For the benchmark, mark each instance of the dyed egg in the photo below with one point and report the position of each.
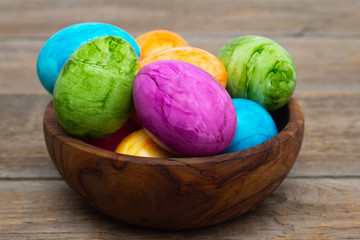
(93, 93)
(260, 70)
(110, 142)
(254, 125)
(62, 44)
(196, 56)
(158, 40)
(185, 110)
(140, 144)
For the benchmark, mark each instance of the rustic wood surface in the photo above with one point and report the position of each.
(320, 199)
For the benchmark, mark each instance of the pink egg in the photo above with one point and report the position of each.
(184, 108)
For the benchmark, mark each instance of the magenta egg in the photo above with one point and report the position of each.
(185, 109)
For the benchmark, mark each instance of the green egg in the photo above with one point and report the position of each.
(258, 69)
(93, 92)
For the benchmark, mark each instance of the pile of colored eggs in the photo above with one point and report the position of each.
(156, 96)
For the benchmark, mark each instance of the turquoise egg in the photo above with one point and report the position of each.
(62, 44)
(254, 125)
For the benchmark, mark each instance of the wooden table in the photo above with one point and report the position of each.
(320, 199)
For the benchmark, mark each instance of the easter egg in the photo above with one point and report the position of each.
(254, 125)
(93, 93)
(185, 110)
(196, 56)
(158, 40)
(110, 142)
(258, 69)
(62, 44)
(139, 143)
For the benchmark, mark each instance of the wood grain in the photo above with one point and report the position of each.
(20, 126)
(332, 138)
(298, 209)
(42, 18)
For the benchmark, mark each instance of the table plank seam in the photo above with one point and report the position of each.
(17, 179)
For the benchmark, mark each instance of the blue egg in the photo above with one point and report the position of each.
(62, 44)
(254, 125)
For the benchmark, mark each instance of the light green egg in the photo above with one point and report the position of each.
(258, 69)
(93, 92)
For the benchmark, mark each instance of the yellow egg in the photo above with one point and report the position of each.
(139, 143)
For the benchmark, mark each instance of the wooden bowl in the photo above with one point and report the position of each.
(176, 193)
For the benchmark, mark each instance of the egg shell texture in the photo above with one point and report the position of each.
(158, 40)
(93, 94)
(259, 69)
(62, 44)
(254, 125)
(196, 56)
(139, 143)
(184, 108)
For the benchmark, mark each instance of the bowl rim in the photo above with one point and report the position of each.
(295, 123)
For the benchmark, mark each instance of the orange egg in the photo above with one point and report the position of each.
(139, 143)
(158, 40)
(196, 56)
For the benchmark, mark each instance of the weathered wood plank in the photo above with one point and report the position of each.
(322, 65)
(27, 167)
(21, 126)
(332, 135)
(330, 147)
(21, 18)
(298, 209)
(18, 68)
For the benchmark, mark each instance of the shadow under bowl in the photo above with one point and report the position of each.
(176, 193)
